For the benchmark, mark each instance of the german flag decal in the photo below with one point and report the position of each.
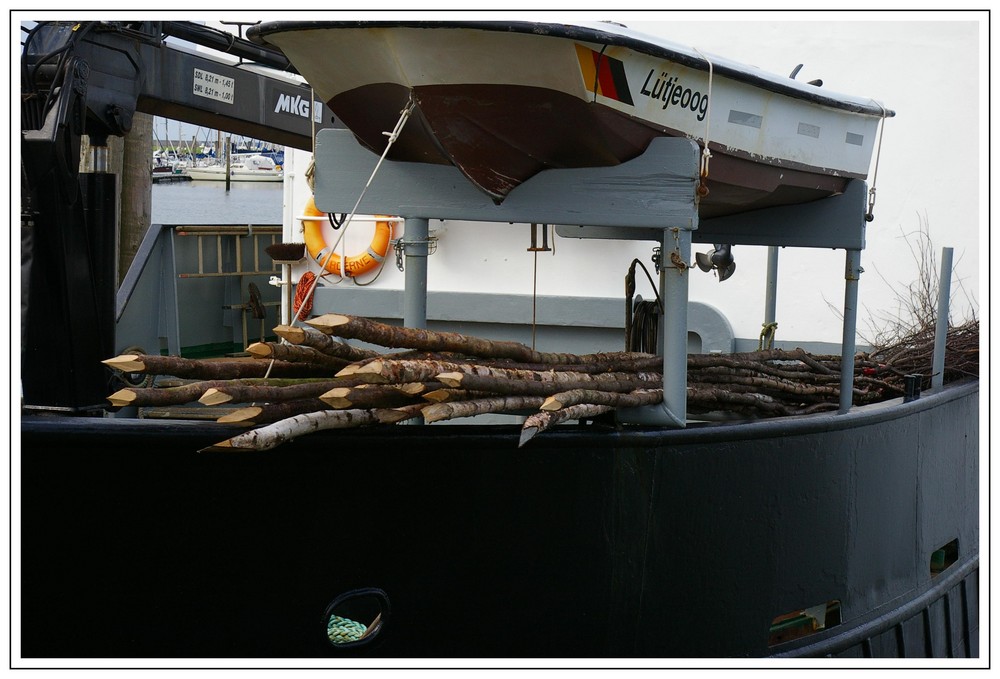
(604, 75)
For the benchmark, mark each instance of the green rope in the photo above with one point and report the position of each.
(344, 630)
(767, 334)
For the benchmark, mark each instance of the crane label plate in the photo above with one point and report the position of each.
(214, 86)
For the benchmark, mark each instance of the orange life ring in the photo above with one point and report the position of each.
(312, 227)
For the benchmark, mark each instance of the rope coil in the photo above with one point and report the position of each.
(344, 630)
(303, 304)
(767, 336)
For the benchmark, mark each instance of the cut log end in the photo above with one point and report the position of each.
(291, 333)
(348, 370)
(394, 415)
(412, 388)
(213, 397)
(438, 395)
(453, 379)
(222, 446)
(527, 434)
(126, 363)
(242, 415)
(551, 404)
(370, 372)
(337, 397)
(259, 350)
(122, 397)
(435, 412)
(370, 368)
(328, 322)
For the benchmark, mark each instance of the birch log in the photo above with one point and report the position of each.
(382, 334)
(273, 412)
(395, 371)
(282, 431)
(187, 393)
(223, 369)
(496, 404)
(563, 381)
(371, 396)
(245, 393)
(296, 354)
(539, 422)
(311, 337)
(574, 397)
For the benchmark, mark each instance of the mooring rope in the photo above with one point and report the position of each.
(311, 287)
(870, 215)
(344, 630)
(767, 336)
(403, 117)
(706, 155)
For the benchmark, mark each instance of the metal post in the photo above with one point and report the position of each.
(291, 232)
(415, 269)
(771, 289)
(941, 328)
(852, 275)
(229, 162)
(674, 278)
(100, 158)
(673, 333)
(287, 299)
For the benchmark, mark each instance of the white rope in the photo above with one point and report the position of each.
(878, 152)
(403, 117)
(343, 253)
(706, 155)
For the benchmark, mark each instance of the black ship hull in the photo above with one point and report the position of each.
(588, 542)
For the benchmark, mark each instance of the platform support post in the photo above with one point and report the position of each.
(941, 327)
(415, 250)
(674, 278)
(852, 275)
(771, 290)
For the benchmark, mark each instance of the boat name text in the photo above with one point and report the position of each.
(668, 89)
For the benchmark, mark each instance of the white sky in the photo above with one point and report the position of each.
(930, 70)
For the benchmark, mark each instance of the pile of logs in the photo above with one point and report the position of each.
(913, 353)
(313, 380)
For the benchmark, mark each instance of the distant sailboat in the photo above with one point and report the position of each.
(252, 168)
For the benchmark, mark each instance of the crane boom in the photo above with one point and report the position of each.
(91, 78)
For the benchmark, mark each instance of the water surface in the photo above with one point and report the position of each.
(207, 202)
